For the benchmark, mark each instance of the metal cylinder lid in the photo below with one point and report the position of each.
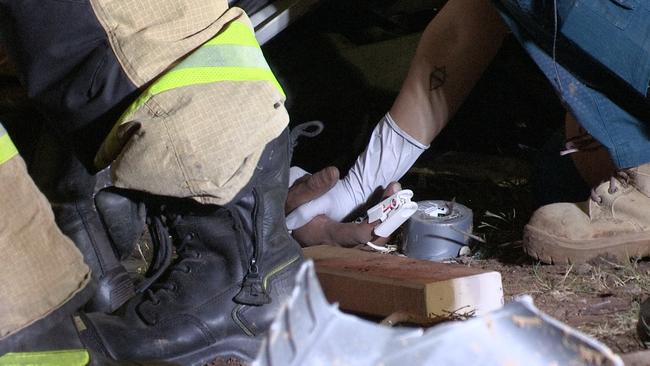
(438, 230)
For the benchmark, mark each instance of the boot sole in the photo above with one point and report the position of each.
(234, 347)
(553, 250)
(239, 347)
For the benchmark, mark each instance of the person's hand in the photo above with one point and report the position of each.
(310, 186)
(336, 203)
(389, 155)
(321, 229)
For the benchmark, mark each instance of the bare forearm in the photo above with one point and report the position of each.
(455, 49)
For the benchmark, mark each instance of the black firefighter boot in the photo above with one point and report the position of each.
(70, 189)
(54, 340)
(234, 269)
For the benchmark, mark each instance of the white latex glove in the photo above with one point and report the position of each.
(389, 155)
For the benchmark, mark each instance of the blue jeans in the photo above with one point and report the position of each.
(601, 68)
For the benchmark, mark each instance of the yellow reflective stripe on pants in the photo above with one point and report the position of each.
(53, 358)
(235, 35)
(7, 148)
(225, 56)
(178, 78)
(203, 75)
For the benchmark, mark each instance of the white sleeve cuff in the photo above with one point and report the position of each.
(406, 136)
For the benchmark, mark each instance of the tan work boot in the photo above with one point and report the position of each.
(614, 222)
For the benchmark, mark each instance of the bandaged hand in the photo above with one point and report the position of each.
(321, 229)
(389, 155)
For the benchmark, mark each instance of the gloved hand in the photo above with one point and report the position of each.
(389, 155)
(336, 203)
(321, 229)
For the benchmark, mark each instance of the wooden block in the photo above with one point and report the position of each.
(380, 285)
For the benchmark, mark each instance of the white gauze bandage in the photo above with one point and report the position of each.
(389, 155)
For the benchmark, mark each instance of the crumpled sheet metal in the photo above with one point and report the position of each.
(310, 331)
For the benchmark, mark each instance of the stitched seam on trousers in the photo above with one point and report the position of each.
(116, 47)
(100, 65)
(179, 160)
(617, 153)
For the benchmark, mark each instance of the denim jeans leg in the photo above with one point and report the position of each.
(624, 135)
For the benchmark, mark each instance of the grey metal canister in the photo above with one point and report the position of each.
(437, 230)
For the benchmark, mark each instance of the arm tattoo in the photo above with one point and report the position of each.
(437, 78)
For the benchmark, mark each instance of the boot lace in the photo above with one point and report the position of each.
(162, 240)
(578, 143)
(585, 142)
(622, 177)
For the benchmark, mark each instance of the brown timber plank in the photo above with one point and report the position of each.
(379, 284)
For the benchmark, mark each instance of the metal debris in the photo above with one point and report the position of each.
(310, 331)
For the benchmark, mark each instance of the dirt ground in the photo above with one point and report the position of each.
(600, 298)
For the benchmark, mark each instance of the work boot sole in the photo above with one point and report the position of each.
(233, 348)
(554, 250)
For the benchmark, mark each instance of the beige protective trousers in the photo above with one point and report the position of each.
(204, 138)
(41, 268)
(201, 138)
